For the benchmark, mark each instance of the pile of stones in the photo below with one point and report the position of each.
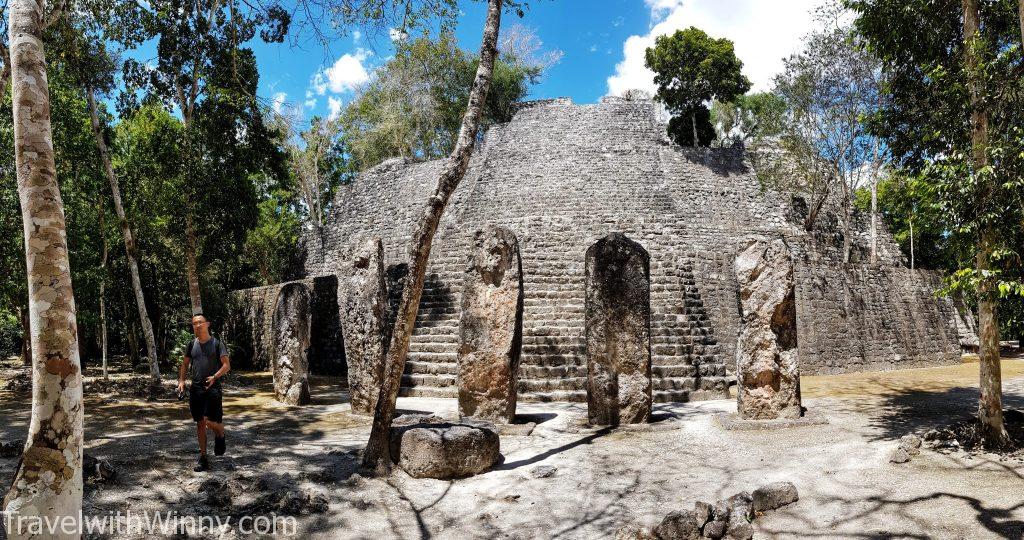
(728, 518)
(910, 445)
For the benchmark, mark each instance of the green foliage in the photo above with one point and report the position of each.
(414, 105)
(691, 69)
(270, 244)
(750, 118)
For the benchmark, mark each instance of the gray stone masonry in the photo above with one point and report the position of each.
(560, 177)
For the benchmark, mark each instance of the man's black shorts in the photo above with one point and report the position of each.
(202, 402)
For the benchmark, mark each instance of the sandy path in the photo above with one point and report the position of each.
(604, 478)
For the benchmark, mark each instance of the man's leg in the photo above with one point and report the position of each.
(201, 428)
(216, 427)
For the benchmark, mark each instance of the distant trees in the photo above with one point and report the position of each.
(691, 69)
(832, 91)
(953, 121)
(413, 107)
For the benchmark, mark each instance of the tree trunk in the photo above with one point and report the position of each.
(378, 455)
(693, 124)
(103, 291)
(911, 241)
(1020, 11)
(26, 337)
(874, 207)
(847, 203)
(129, 240)
(191, 268)
(990, 407)
(48, 482)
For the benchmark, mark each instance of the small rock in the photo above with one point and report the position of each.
(913, 451)
(703, 512)
(899, 455)
(910, 441)
(714, 529)
(543, 471)
(10, 450)
(634, 532)
(517, 430)
(97, 469)
(741, 504)
(679, 525)
(774, 495)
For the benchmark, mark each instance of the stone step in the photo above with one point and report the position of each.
(431, 368)
(543, 372)
(428, 392)
(444, 357)
(417, 380)
(559, 395)
(551, 385)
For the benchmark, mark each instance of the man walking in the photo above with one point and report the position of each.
(206, 360)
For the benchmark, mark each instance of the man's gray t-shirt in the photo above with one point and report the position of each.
(205, 360)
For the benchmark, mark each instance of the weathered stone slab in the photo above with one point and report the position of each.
(365, 323)
(446, 450)
(767, 369)
(618, 312)
(491, 327)
(291, 328)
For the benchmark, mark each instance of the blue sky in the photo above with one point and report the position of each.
(602, 43)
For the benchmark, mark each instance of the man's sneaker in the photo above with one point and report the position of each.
(202, 464)
(219, 445)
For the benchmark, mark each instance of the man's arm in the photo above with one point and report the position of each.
(185, 362)
(225, 367)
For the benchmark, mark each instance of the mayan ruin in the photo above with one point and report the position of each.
(561, 176)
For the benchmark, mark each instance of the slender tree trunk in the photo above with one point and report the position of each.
(378, 455)
(911, 241)
(129, 240)
(693, 124)
(103, 293)
(191, 268)
(26, 337)
(1020, 11)
(990, 407)
(48, 482)
(847, 202)
(874, 207)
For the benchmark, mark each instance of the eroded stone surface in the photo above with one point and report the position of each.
(767, 370)
(445, 450)
(291, 329)
(365, 323)
(618, 301)
(491, 327)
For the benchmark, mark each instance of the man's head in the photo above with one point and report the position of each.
(200, 326)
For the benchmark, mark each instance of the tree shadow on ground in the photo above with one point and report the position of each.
(557, 450)
(902, 411)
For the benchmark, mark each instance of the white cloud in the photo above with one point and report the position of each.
(279, 101)
(334, 105)
(396, 34)
(347, 72)
(764, 33)
(356, 36)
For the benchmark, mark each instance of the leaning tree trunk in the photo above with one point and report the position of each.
(48, 483)
(129, 240)
(378, 454)
(191, 267)
(103, 293)
(990, 406)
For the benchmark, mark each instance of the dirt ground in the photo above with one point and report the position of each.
(289, 460)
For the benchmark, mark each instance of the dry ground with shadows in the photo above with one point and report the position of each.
(565, 480)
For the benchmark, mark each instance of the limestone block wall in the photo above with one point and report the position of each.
(249, 333)
(857, 318)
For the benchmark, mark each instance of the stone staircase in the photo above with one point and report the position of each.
(686, 362)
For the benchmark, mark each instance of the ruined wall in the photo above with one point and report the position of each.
(561, 176)
(858, 318)
(249, 326)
